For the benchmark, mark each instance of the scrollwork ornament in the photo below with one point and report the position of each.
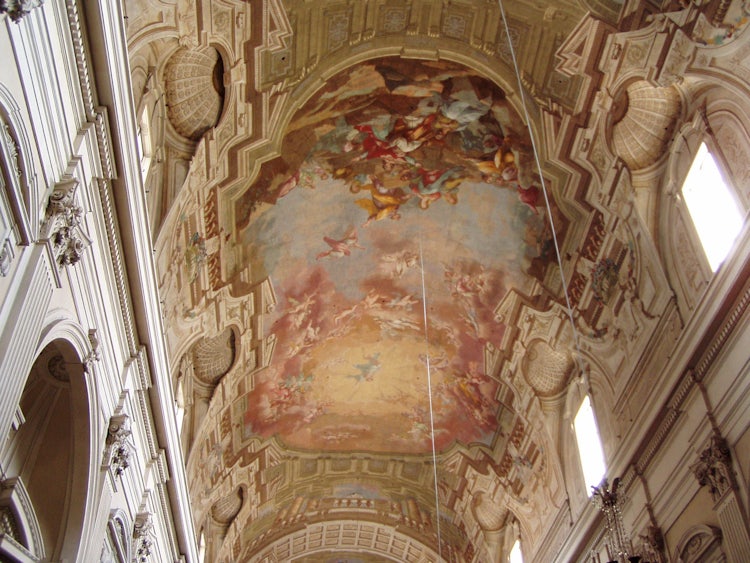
(118, 434)
(95, 354)
(63, 223)
(142, 532)
(16, 9)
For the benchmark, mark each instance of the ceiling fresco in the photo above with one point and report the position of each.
(404, 195)
(356, 259)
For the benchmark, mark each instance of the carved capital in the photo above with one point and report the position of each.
(714, 468)
(16, 9)
(118, 445)
(63, 223)
(142, 532)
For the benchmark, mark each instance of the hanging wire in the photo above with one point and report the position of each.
(429, 396)
(576, 339)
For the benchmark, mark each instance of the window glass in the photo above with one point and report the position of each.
(202, 549)
(589, 445)
(712, 207)
(515, 553)
(180, 405)
(143, 142)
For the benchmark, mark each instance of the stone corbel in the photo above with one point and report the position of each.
(16, 9)
(142, 532)
(62, 225)
(118, 447)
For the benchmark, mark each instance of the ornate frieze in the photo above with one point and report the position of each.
(118, 446)
(714, 468)
(16, 9)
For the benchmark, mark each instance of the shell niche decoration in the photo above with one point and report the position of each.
(195, 91)
(545, 369)
(641, 136)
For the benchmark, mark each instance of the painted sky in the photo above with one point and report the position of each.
(402, 194)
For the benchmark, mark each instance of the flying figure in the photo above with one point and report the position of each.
(341, 247)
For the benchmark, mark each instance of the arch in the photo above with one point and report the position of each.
(370, 538)
(117, 546)
(250, 164)
(686, 266)
(203, 364)
(700, 543)
(580, 389)
(24, 189)
(21, 538)
(51, 451)
(19, 208)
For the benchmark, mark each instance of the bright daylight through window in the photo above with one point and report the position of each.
(589, 445)
(714, 211)
(515, 553)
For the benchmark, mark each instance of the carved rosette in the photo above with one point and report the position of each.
(714, 468)
(118, 446)
(16, 9)
(63, 223)
(142, 531)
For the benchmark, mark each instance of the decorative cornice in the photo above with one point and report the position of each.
(727, 328)
(117, 261)
(689, 379)
(94, 114)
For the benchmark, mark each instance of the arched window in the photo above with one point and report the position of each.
(713, 209)
(144, 141)
(19, 224)
(46, 461)
(589, 445)
(180, 403)
(202, 548)
(515, 553)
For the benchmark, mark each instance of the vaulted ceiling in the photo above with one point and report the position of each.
(357, 264)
